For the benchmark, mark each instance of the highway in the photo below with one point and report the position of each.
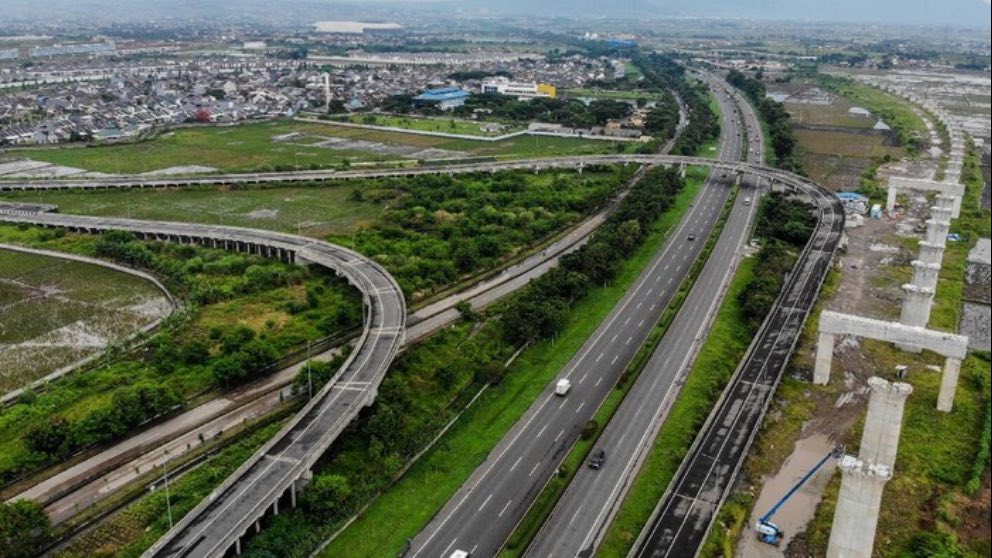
(218, 522)
(580, 518)
(681, 521)
(482, 514)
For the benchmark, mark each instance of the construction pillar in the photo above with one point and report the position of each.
(916, 304)
(824, 358)
(944, 214)
(931, 253)
(682, 170)
(925, 274)
(937, 232)
(890, 201)
(880, 438)
(856, 515)
(948, 385)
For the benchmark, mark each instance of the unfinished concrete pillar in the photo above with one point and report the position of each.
(948, 384)
(943, 214)
(890, 201)
(931, 253)
(916, 304)
(880, 438)
(824, 358)
(937, 231)
(858, 503)
(944, 201)
(682, 170)
(925, 274)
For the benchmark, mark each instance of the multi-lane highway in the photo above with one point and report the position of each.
(580, 518)
(482, 514)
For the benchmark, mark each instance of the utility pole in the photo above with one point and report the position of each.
(309, 376)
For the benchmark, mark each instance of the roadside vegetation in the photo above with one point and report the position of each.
(432, 383)
(776, 120)
(243, 313)
(783, 227)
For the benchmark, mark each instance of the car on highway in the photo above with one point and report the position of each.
(562, 387)
(692, 236)
(597, 459)
(460, 554)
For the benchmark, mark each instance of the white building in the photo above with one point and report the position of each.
(520, 90)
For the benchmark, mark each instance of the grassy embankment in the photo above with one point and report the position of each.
(439, 124)
(907, 125)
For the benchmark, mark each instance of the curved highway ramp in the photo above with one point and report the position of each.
(276, 472)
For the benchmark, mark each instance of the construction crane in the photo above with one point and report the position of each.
(770, 533)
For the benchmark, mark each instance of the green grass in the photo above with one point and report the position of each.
(612, 94)
(420, 124)
(251, 147)
(316, 211)
(405, 508)
(41, 294)
(717, 360)
(907, 125)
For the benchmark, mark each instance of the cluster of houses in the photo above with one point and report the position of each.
(112, 100)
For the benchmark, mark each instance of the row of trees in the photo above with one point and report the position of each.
(542, 309)
(775, 117)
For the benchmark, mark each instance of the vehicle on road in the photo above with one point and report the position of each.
(597, 459)
(460, 554)
(747, 201)
(562, 387)
(692, 236)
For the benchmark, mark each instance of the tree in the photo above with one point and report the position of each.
(24, 529)
(328, 496)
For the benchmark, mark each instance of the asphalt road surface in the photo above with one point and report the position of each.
(579, 520)
(483, 513)
(683, 518)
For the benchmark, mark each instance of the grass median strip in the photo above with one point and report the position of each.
(531, 524)
(410, 503)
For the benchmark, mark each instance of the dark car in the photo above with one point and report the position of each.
(692, 236)
(597, 459)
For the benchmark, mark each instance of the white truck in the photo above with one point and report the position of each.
(562, 387)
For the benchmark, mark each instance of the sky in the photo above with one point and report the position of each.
(964, 13)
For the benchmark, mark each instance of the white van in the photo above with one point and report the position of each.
(562, 387)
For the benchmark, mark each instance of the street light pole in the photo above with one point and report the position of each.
(309, 376)
(168, 499)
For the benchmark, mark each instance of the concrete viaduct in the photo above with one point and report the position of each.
(274, 475)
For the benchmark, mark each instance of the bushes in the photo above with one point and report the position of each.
(128, 408)
(981, 462)
(24, 529)
(542, 309)
(776, 119)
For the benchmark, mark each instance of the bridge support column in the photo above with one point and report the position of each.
(856, 516)
(682, 170)
(880, 439)
(890, 201)
(824, 358)
(916, 305)
(925, 274)
(937, 232)
(237, 546)
(948, 384)
(931, 253)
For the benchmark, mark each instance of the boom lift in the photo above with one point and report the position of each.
(768, 532)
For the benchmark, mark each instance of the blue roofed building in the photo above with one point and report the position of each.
(445, 99)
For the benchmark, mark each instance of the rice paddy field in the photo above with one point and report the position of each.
(288, 145)
(54, 312)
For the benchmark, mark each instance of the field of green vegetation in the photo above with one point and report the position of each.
(54, 312)
(251, 148)
(907, 125)
(242, 313)
(421, 124)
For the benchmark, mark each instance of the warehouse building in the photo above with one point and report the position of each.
(519, 90)
(445, 99)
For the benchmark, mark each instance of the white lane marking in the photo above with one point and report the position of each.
(639, 304)
(515, 463)
(649, 291)
(614, 340)
(580, 407)
(574, 515)
(583, 377)
(486, 501)
(640, 323)
(536, 465)
(502, 511)
(614, 361)
(652, 306)
(599, 357)
(629, 340)
(627, 321)
(559, 434)
(447, 548)
(563, 403)
(599, 380)
(543, 428)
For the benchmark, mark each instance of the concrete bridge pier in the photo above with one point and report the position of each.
(931, 253)
(937, 232)
(824, 358)
(682, 170)
(925, 275)
(883, 424)
(858, 504)
(948, 384)
(916, 304)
